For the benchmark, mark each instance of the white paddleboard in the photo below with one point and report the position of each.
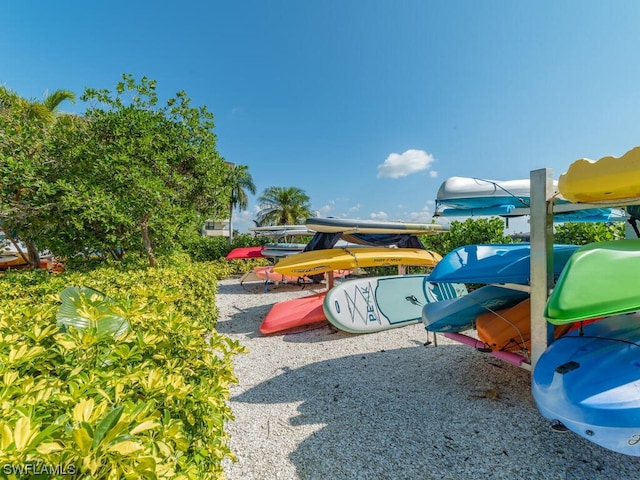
(368, 305)
(345, 225)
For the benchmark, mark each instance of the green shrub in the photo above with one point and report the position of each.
(577, 233)
(150, 402)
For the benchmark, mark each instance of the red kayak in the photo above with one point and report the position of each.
(294, 313)
(245, 252)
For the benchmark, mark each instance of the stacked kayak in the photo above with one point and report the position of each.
(487, 264)
(600, 279)
(475, 196)
(589, 379)
(509, 329)
(469, 196)
(608, 180)
(495, 263)
(322, 261)
(459, 314)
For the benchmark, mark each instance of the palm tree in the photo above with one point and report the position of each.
(283, 206)
(44, 112)
(240, 181)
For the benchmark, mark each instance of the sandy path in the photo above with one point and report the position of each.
(321, 404)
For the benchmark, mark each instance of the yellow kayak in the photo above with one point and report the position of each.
(607, 180)
(322, 261)
(11, 259)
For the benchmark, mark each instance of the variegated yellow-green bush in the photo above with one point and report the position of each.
(146, 401)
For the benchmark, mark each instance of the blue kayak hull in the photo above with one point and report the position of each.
(459, 314)
(495, 263)
(591, 383)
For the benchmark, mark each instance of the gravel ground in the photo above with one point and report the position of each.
(324, 404)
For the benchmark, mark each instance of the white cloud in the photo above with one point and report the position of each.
(323, 211)
(407, 163)
(355, 208)
(423, 216)
(243, 220)
(379, 216)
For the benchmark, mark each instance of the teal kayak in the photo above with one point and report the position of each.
(600, 279)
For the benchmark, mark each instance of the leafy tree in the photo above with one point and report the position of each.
(581, 233)
(138, 174)
(240, 181)
(470, 231)
(25, 189)
(283, 206)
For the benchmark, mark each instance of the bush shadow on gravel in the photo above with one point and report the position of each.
(257, 288)
(443, 412)
(247, 320)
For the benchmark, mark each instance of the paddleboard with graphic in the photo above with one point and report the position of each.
(374, 304)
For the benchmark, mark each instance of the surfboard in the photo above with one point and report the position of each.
(495, 263)
(600, 279)
(344, 225)
(294, 313)
(609, 179)
(589, 381)
(374, 304)
(281, 230)
(321, 261)
(459, 314)
(244, 253)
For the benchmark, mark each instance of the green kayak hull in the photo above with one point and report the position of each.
(600, 279)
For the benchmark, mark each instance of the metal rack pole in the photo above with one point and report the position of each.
(542, 192)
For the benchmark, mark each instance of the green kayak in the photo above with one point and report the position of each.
(600, 279)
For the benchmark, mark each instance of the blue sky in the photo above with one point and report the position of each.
(366, 105)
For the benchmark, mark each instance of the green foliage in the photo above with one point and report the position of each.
(580, 233)
(470, 231)
(148, 402)
(238, 180)
(127, 176)
(283, 206)
(158, 167)
(26, 128)
(87, 309)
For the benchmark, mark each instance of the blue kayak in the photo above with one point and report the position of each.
(495, 263)
(590, 382)
(459, 314)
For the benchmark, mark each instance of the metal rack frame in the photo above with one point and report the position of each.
(541, 214)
